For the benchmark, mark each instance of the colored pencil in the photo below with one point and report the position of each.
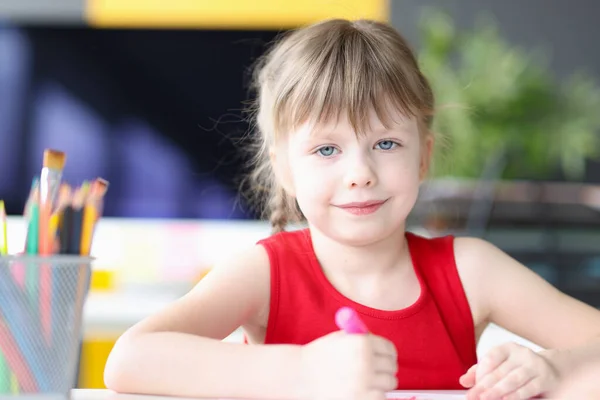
(15, 314)
(3, 230)
(99, 189)
(31, 279)
(45, 299)
(15, 361)
(75, 245)
(5, 375)
(56, 221)
(33, 195)
(59, 277)
(35, 184)
(33, 228)
(66, 229)
(89, 221)
(14, 384)
(77, 221)
(90, 216)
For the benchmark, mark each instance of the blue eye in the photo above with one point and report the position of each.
(386, 144)
(326, 151)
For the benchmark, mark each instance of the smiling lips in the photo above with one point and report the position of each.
(362, 208)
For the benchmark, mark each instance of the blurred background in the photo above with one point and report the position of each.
(150, 95)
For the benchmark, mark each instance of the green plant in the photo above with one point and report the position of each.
(495, 101)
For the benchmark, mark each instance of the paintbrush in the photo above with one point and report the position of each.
(98, 190)
(50, 178)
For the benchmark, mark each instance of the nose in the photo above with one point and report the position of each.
(360, 172)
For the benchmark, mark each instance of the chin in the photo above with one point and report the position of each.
(359, 235)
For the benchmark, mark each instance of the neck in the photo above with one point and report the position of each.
(374, 259)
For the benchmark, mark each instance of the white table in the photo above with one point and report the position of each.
(98, 394)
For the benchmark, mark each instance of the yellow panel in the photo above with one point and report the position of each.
(228, 14)
(94, 354)
(102, 280)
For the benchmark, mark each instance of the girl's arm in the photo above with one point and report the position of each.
(505, 292)
(581, 384)
(516, 298)
(179, 351)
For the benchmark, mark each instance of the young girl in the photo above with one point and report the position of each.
(343, 117)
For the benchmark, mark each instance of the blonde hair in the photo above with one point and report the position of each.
(318, 72)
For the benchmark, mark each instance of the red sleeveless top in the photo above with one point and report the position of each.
(435, 336)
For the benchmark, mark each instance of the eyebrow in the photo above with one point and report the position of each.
(331, 132)
(335, 133)
(323, 135)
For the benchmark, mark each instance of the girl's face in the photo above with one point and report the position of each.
(357, 189)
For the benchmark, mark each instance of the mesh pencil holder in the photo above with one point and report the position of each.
(41, 307)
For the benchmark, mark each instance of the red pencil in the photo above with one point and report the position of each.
(17, 364)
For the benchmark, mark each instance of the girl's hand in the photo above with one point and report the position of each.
(349, 366)
(509, 372)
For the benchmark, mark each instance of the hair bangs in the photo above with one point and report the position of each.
(352, 78)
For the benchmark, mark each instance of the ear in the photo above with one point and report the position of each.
(426, 155)
(281, 168)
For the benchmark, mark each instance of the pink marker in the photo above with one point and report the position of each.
(348, 320)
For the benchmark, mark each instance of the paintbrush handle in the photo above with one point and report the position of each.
(49, 185)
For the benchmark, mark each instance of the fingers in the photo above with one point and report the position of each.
(468, 379)
(529, 390)
(491, 379)
(383, 347)
(375, 395)
(509, 372)
(497, 374)
(515, 384)
(494, 358)
(385, 382)
(386, 365)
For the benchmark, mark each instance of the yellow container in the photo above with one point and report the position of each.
(94, 353)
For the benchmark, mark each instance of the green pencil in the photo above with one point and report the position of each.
(4, 376)
(31, 275)
(33, 231)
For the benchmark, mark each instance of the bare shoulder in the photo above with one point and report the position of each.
(234, 293)
(503, 291)
(251, 261)
(245, 275)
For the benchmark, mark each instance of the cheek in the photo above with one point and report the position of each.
(402, 171)
(310, 185)
(313, 186)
